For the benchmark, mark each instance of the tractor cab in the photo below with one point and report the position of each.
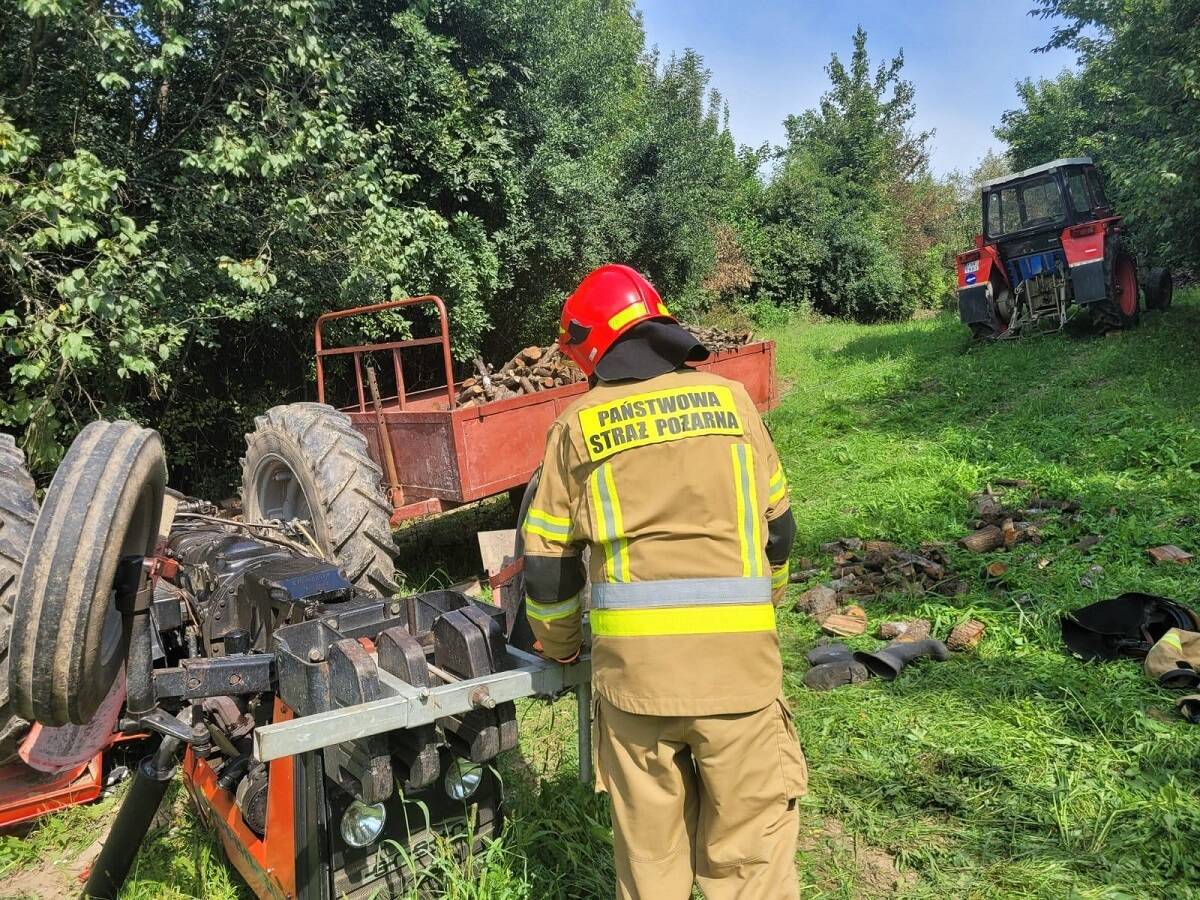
(1051, 240)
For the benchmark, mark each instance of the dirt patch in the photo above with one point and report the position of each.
(876, 872)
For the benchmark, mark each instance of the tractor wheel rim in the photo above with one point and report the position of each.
(1126, 286)
(279, 492)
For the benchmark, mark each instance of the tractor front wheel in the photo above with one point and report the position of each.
(305, 461)
(1119, 309)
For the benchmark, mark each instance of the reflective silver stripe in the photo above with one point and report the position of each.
(749, 510)
(680, 592)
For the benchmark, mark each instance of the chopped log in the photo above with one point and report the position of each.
(912, 630)
(984, 540)
(818, 602)
(851, 622)
(965, 636)
(1169, 553)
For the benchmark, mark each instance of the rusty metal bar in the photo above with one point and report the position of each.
(358, 382)
(443, 339)
(400, 392)
(385, 440)
(390, 345)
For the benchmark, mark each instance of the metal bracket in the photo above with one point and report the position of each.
(404, 706)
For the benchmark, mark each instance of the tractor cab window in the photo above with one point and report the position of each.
(1026, 205)
(993, 207)
(1078, 189)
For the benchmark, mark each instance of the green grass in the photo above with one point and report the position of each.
(1015, 771)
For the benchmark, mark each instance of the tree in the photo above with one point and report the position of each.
(852, 214)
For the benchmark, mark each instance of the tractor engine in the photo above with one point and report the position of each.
(371, 809)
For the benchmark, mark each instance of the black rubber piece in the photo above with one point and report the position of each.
(830, 675)
(150, 782)
(891, 660)
(341, 482)
(827, 653)
(68, 640)
(1159, 289)
(18, 513)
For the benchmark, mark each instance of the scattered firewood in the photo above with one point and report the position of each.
(995, 570)
(913, 630)
(1087, 542)
(863, 569)
(818, 602)
(801, 575)
(984, 540)
(965, 636)
(1169, 553)
(851, 622)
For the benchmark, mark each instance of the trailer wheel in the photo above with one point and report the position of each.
(18, 512)
(1119, 309)
(68, 640)
(1160, 289)
(305, 461)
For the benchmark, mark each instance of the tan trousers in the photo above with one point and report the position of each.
(709, 800)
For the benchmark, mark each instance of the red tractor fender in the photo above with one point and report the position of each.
(1085, 247)
(1084, 243)
(989, 261)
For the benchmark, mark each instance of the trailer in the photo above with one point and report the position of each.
(403, 454)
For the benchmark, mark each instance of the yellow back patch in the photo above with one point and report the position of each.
(658, 417)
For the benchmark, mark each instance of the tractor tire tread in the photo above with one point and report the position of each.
(18, 514)
(349, 486)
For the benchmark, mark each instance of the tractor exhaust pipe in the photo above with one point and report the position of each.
(111, 868)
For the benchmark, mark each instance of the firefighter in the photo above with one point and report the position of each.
(668, 476)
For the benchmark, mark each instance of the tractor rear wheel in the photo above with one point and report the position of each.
(1119, 309)
(1000, 299)
(305, 461)
(18, 512)
(1160, 289)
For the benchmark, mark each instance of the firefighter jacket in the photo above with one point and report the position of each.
(674, 485)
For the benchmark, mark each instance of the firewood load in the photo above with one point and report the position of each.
(533, 369)
(537, 369)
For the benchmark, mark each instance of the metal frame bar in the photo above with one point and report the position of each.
(356, 351)
(405, 706)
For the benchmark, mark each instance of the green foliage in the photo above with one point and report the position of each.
(853, 224)
(185, 187)
(1134, 105)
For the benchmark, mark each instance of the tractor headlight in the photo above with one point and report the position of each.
(462, 778)
(362, 823)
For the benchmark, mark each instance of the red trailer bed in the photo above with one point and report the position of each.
(446, 454)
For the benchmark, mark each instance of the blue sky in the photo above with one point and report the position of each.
(768, 59)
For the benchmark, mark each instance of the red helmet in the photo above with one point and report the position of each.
(607, 303)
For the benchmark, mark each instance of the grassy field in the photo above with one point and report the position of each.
(1015, 771)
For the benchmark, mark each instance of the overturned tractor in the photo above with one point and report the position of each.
(1052, 242)
(335, 736)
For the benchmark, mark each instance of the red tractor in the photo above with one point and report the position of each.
(1051, 240)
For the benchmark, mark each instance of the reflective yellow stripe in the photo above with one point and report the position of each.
(662, 310)
(552, 528)
(560, 521)
(779, 577)
(549, 612)
(778, 488)
(627, 315)
(610, 528)
(682, 620)
(749, 518)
